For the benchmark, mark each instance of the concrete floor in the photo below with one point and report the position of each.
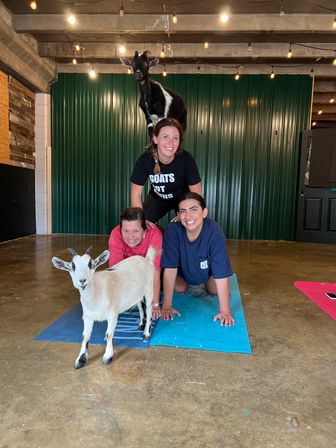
(281, 396)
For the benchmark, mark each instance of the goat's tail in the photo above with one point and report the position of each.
(151, 253)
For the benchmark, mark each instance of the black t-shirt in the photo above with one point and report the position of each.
(174, 178)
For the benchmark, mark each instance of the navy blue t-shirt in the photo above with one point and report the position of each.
(197, 260)
(174, 179)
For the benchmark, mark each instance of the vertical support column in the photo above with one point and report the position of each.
(4, 119)
(43, 163)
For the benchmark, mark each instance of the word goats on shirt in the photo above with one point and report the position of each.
(159, 182)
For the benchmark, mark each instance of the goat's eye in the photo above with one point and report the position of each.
(90, 264)
(73, 266)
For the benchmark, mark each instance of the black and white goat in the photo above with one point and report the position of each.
(106, 294)
(156, 101)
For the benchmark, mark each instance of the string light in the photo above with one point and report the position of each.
(206, 44)
(199, 69)
(174, 18)
(237, 76)
(332, 99)
(33, 5)
(314, 123)
(334, 23)
(164, 73)
(162, 53)
(129, 71)
(312, 70)
(249, 46)
(121, 11)
(224, 18)
(272, 75)
(320, 112)
(74, 61)
(334, 61)
(92, 73)
(122, 49)
(77, 47)
(71, 18)
(290, 53)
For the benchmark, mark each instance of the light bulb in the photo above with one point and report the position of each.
(33, 5)
(162, 53)
(332, 99)
(334, 61)
(314, 123)
(164, 73)
(290, 53)
(272, 75)
(122, 49)
(92, 73)
(206, 44)
(320, 112)
(237, 76)
(334, 23)
(122, 11)
(224, 18)
(174, 18)
(249, 46)
(77, 47)
(129, 71)
(71, 19)
(74, 61)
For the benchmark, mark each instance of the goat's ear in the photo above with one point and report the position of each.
(101, 259)
(60, 264)
(126, 62)
(154, 62)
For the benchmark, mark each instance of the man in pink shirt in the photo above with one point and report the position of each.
(133, 237)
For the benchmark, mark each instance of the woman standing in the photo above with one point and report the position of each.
(170, 170)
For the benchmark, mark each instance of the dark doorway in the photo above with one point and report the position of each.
(316, 220)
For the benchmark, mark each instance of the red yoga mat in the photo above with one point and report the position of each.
(315, 291)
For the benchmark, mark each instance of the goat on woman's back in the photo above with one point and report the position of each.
(106, 294)
(156, 101)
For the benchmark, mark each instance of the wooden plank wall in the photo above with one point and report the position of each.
(21, 124)
(4, 120)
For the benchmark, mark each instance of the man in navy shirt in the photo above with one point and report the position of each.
(194, 252)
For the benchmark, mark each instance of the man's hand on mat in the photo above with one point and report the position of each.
(225, 318)
(168, 312)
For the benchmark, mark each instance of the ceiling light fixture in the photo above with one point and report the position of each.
(320, 112)
(237, 76)
(206, 44)
(332, 99)
(290, 53)
(77, 47)
(74, 61)
(164, 73)
(272, 75)
(162, 52)
(129, 71)
(33, 5)
(314, 123)
(174, 18)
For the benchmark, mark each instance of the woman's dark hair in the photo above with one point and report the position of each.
(152, 147)
(133, 214)
(192, 195)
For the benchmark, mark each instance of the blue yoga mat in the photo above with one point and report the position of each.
(69, 328)
(195, 327)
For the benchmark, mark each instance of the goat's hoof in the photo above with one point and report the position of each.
(107, 360)
(141, 327)
(81, 361)
(146, 338)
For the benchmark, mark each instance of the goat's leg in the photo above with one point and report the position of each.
(142, 320)
(111, 324)
(84, 351)
(148, 326)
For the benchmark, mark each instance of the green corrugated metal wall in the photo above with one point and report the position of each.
(244, 136)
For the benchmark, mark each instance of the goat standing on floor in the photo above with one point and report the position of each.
(106, 294)
(156, 101)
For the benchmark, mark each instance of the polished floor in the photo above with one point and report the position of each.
(281, 396)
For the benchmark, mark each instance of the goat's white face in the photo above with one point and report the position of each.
(81, 268)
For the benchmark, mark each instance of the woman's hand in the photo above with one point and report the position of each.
(176, 219)
(150, 224)
(168, 312)
(225, 318)
(156, 311)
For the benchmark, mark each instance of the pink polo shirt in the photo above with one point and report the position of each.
(119, 250)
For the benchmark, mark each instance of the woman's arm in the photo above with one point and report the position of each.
(223, 292)
(197, 188)
(136, 193)
(169, 278)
